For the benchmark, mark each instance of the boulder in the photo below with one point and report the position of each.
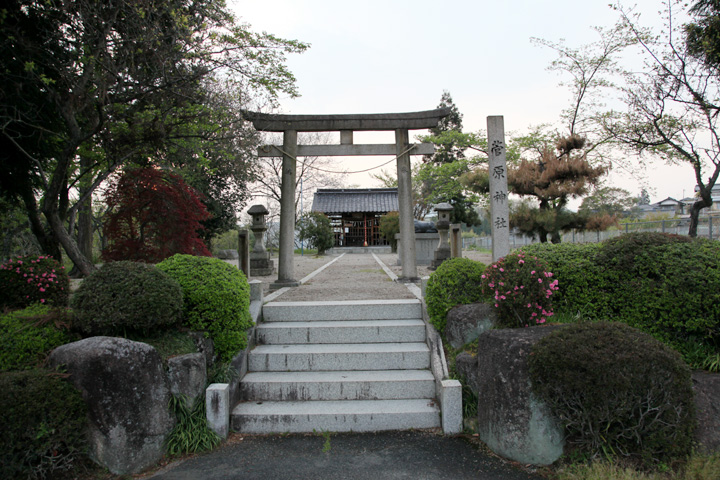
(467, 366)
(707, 405)
(464, 323)
(511, 421)
(126, 390)
(187, 376)
(227, 254)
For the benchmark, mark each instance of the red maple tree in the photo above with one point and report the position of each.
(153, 214)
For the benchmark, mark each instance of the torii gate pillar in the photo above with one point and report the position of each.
(286, 267)
(405, 204)
(401, 123)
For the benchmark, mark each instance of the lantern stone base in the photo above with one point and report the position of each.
(441, 254)
(261, 265)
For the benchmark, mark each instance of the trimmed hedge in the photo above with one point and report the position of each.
(124, 296)
(665, 285)
(216, 299)
(616, 390)
(43, 425)
(457, 281)
(33, 279)
(27, 336)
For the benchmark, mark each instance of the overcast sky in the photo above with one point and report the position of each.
(400, 55)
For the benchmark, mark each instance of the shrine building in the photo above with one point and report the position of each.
(355, 213)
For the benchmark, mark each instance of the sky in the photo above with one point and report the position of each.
(400, 55)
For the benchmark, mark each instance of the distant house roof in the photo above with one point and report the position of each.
(669, 201)
(345, 200)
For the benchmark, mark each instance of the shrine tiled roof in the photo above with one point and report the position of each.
(345, 200)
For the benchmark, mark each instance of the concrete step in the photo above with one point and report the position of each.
(367, 331)
(344, 385)
(335, 416)
(342, 310)
(344, 356)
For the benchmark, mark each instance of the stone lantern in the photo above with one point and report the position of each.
(442, 252)
(260, 263)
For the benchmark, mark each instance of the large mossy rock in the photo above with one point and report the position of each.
(126, 391)
(511, 420)
(465, 323)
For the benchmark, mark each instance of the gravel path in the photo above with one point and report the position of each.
(349, 277)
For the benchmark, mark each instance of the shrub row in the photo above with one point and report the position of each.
(665, 285)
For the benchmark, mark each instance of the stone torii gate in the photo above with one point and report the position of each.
(290, 125)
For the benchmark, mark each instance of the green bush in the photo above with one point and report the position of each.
(126, 296)
(43, 425)
(216, 299)
(522, 288)
(27, 336)
(456, 281)
(616, 391)
(315, 228)
(665, 285)
(582, 283)
(389, 227)
(33, 279)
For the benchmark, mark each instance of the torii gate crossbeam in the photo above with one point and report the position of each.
(290, 125)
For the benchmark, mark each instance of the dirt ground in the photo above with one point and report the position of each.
(351, 277)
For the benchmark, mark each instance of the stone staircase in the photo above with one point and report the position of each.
(338, 366)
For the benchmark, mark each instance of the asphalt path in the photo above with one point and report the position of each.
(413, 455)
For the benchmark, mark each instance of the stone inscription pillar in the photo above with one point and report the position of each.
(286, 267)
(497, 165)
(405, 201)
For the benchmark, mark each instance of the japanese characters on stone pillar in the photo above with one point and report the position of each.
(499, 209)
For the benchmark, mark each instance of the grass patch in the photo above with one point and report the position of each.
(697, 467)
(191, 433)
(169, 343)
(307, 251)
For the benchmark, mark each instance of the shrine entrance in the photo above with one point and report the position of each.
(290, 125)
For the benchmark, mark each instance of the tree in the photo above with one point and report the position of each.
(608, 200)
(312, 173)
(117, 79)
(389, 227)
(153, 215)
(556, 177)
(670, 103)
(439, 172)
(315, 227)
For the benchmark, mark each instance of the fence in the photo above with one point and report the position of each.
(708, 227)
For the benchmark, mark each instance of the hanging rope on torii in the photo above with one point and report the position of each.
(290, 125)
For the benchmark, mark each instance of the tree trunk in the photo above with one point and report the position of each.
(46, 239)
(555, 237)
(85, 232)
(695, 215)
(85, 266)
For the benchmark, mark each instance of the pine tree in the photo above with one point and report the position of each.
(561, 173)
